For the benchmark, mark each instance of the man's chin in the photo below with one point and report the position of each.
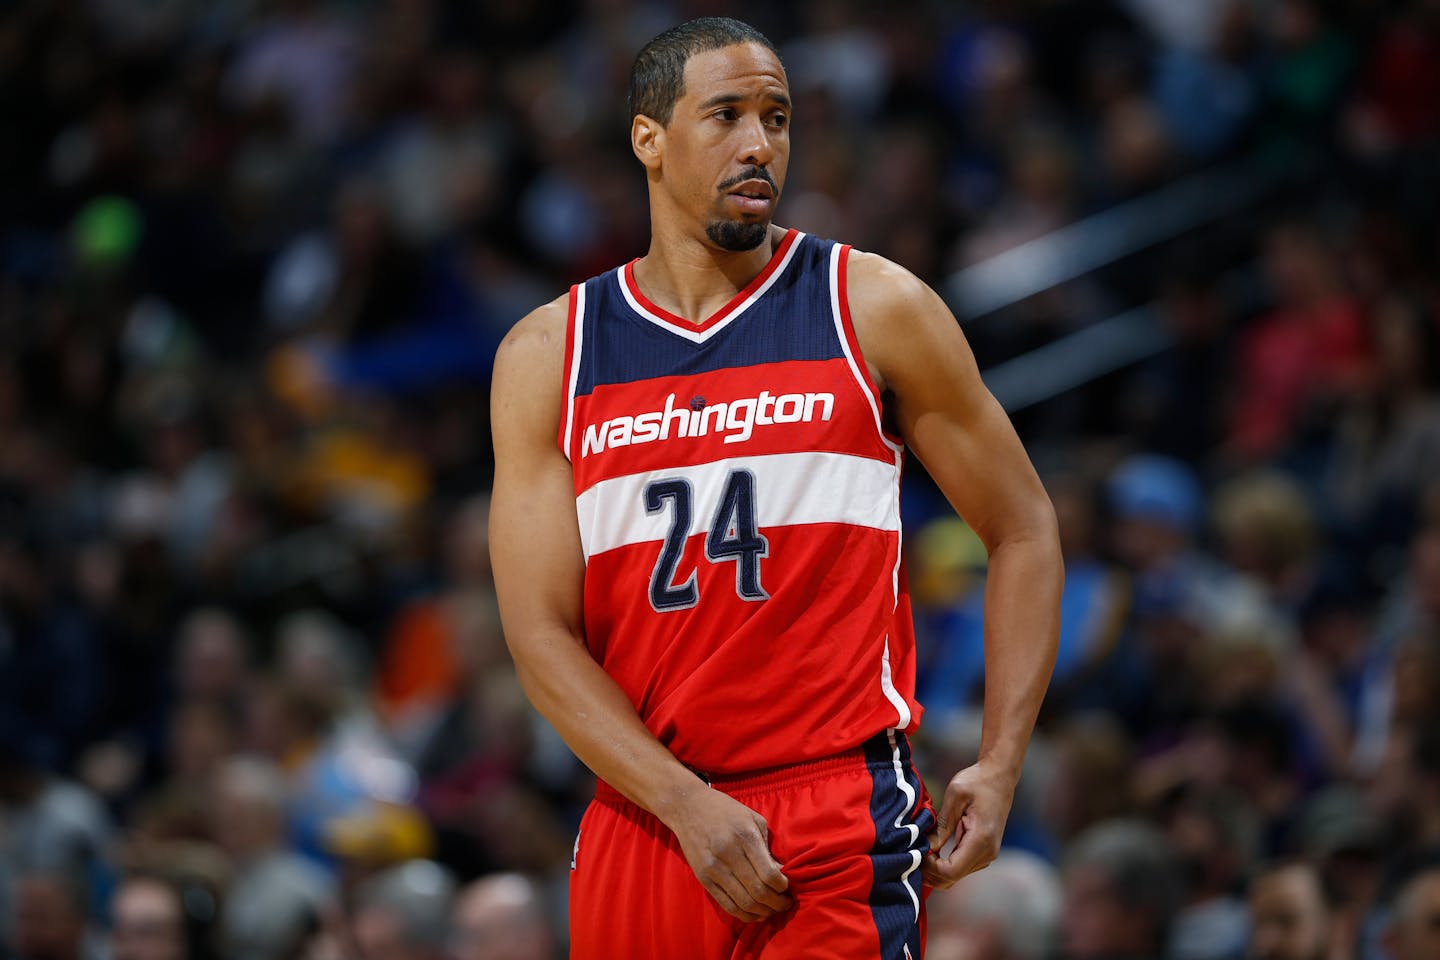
(737, 236)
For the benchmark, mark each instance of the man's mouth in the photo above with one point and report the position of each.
(752, 196)
(754, 190)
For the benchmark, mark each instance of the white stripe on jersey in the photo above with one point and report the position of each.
(861, 379)
(574, 377)
(887, 685)
(700, 336)
(790, 488)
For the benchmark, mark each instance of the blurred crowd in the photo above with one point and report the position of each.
(255, 258)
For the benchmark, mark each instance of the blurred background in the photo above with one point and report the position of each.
(255, 258)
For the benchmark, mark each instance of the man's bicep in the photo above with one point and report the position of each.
(539, 568)
(945, 413)
(534, 536)
(971, 450)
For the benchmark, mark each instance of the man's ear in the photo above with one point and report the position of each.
(647, 139)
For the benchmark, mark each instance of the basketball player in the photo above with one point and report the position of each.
(696, 536)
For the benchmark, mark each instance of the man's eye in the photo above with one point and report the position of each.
(779, 120)
(726, 114)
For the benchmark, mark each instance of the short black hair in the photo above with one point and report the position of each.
(657, 79)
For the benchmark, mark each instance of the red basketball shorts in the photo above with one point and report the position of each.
(849, 831)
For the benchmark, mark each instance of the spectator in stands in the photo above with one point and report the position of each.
(1410, 615)
(1267, 531)
(213, 660)
(1391, 111)
(1008, 911)
(1298, 362)
(275, 895)
(1338, 833)
(501, 917)
(1215, 835)
(1093, 773)
(1289, 914)
(155, 919)
(54, 827)
(437, 644)
(1178, 594)
(1413, 930)
(1388, 443)
(1123, 888)
(1426, 761)
(403, 913)
(52, 917)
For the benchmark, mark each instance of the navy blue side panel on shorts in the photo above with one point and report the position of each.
(901, 829)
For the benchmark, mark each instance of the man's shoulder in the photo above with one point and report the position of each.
(538, 339)
(872, 272)
(882, 291)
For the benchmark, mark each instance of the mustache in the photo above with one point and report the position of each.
(750, 173)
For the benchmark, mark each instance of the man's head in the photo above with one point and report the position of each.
(500, 917)
(710, 120)
(1289, 915)
(148, 921)
(1122, 889)
(1414, 929)
(50, 915)
(248, 807)
(1008, 911)
(402, 913)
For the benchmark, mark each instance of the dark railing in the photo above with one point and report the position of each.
(1085, 246)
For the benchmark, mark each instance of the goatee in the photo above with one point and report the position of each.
(735, 236)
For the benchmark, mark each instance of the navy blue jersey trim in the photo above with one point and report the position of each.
(791, 321)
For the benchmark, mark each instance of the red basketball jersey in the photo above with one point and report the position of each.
(739, 509)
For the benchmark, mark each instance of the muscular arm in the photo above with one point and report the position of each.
(539, 578)
(923, 365)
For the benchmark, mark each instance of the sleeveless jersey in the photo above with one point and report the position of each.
(739, 509)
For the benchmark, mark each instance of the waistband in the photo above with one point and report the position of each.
(865, 757)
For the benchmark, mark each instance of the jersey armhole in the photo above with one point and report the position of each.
(574, 323)
(840, 300)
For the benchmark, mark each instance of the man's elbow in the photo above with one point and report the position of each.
(538, 655)
(1037, 530)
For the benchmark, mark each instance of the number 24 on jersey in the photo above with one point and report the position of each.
(734, 536)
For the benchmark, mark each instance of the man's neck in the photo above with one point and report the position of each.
(691, 278)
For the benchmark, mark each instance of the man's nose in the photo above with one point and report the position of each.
(756, 148)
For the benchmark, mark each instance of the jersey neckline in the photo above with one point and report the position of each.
(700, 332)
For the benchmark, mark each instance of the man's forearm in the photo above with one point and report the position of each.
(1022, 628)
(599, 723)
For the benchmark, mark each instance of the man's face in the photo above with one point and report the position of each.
(1415, 929)
(725, 151)
(1288, 916)
(148, 923)
(490, 923)
(380, 934)
(48, 925)
(1095, 923)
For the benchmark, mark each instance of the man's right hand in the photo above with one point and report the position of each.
(728, 846)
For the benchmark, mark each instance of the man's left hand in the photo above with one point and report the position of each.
(977, 802)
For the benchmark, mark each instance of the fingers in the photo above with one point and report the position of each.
(976, 848)
(930, 872)
(720, 880)
(767, 883)
(952, 809)
(977, 801)
(740, 873)
(726, 894)
(944, 828)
